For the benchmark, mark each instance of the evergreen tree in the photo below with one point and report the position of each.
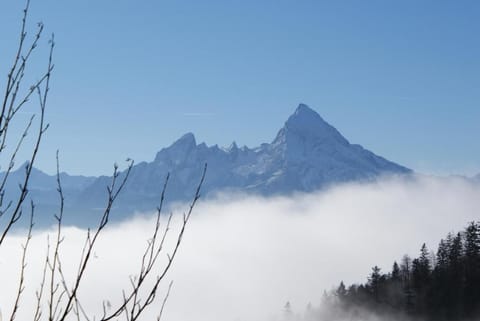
(395, 295)
(396, 274)
(445, 287)
(472, 268)
(440, 286)
(408, 295)
(442, 255)
(341, 292)
(374, 281)
(421, 279)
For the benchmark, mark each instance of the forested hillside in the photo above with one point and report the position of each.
(441, 286)
(434, 286)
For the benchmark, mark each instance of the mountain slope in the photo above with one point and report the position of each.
(307, 154)
(43, 187)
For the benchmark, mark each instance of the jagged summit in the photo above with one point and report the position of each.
(307, 154)
(305, 116)
(233, 146)
(305, 110)
(186, 140)
(180, 148)
(305, 123)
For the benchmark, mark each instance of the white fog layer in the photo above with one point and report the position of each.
(243, 257)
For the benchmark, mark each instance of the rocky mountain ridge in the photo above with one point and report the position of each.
(307, 154)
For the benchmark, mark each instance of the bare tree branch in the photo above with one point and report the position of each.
(61, 298)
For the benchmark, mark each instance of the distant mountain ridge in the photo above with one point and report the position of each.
(307, 154)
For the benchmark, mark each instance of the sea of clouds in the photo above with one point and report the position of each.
(244, 257)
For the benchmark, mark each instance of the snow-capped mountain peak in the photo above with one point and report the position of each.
(306, 124)
(307, 154)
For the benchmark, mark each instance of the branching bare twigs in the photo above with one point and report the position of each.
(10, 107)
(132, 305)
(13, 101)
(64, 301)
(21, 283)
(56, 299)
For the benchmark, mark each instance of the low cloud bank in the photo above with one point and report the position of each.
(244, 257)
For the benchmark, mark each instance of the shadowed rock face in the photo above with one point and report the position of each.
(307, 154)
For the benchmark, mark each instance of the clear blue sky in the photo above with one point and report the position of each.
(402, 78)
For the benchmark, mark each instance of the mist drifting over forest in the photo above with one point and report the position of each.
(244, 257)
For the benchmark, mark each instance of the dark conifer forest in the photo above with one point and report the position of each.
(433, 286)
